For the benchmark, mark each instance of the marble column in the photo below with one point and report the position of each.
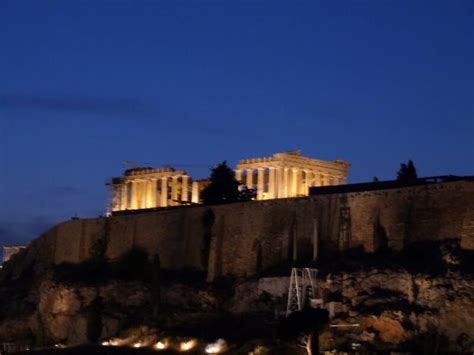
(144, 193)
(260, 177)
(124, 196)
(285, 182)
(164, 192)
(138, 193)
(152, 193)
(238, 175)
(271, 183)
(343, 180)
(279, 180)
(133, 195)
(304, 183)
(294, 183)
(184, 188)
(174, 191)
(249, 178)
(195, 192)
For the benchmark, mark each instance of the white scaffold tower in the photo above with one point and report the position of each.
(302, 290)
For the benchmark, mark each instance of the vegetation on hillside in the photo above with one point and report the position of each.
(407, 172)
(224, 188)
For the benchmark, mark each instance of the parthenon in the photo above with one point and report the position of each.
(289, 174)
(282, 175)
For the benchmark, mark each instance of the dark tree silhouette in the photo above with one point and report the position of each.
(407, 172)
(411, 171)
(224, 188)
(303, 328)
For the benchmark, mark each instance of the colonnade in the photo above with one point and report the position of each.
(139, 193)
(281, 182)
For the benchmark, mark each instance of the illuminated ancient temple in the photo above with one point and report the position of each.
(282, 175)
(289, 174)
(142, 188)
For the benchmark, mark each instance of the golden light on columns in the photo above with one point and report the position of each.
(133, 195)
(184, 188)
(249, 181)
(238, 175)
(260, 183)
(271, 182)
(174, 190)
(195, 192)
(279, 183)
(294, 182)
(152, 193)
(285, 181)
(164, 192)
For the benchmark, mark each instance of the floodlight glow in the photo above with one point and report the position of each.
(216, 348)
(161, 345)
(187, 345)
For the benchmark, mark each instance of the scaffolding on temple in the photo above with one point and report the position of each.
(303, 290)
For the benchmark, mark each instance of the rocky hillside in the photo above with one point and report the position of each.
(392, 306)
(393, 309)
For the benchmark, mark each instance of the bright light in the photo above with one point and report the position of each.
(105, 343)
(161, 345)
(187, 345)
(217, 347)
(137, 345)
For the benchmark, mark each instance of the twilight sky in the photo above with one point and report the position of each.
(85, 85)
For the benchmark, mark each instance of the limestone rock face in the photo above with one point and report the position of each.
(62, 309)
(392, 308)
(396, 306)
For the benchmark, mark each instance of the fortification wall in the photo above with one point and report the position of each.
(175, 235)
(243, 238)
(259, 235)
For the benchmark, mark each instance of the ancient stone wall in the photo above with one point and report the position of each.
(249, 237)
(175, 235)
(243, 238)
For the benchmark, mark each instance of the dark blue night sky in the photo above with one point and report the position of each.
(85, 85)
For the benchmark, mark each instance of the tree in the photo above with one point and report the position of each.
(407, 172)
(303, 328)
(224, 188)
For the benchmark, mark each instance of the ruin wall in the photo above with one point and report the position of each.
(243, 238)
